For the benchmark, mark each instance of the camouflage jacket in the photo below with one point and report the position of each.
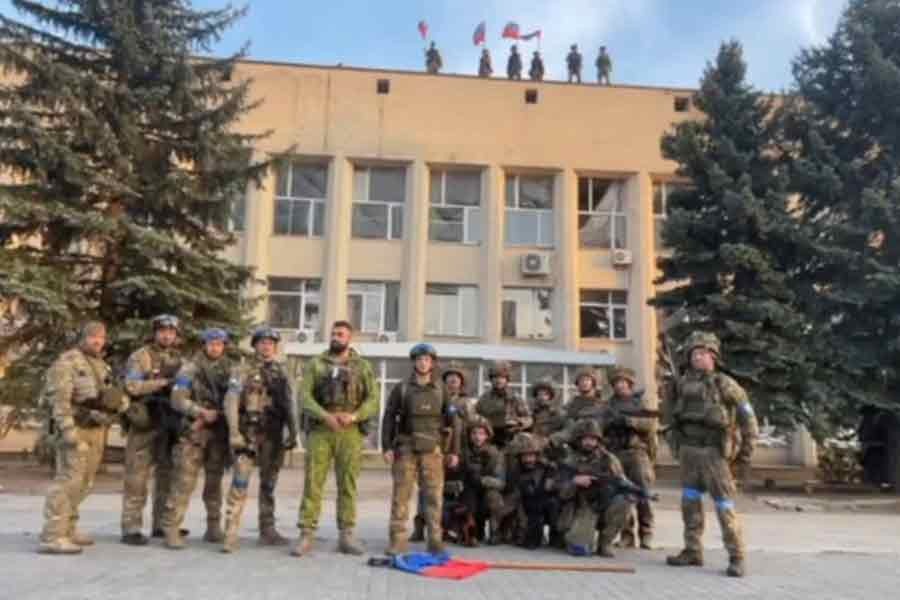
(579, 405)
(201, 383)
(259, 387)
(150, 370)
(420, 418)
(598, 463)
(75, 383)
(621, 433)
(502, 409)
(330, 386)
(483, 467)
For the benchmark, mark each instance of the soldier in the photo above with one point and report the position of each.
(259, 406)
(573, 63)
(412, 433)
(199, 395)
(633, 440)
(514, 64)
(589, 484)
(505, 410)
(483, 475)
(708, 408)
(433, 61)
(151, 436)
(340, 396)
(589, 400)
(455, 380)
(79, 391)
(604, 66)
(548, 417)
(536, 72)
(485, 69)
(531, 492)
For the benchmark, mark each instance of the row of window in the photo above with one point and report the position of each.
(379, 195)
(450, 310)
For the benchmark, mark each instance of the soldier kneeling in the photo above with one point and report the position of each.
(531, 486)
(483, 479)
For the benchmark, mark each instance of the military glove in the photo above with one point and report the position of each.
(98, 417)
(237, 442)
(70, 437)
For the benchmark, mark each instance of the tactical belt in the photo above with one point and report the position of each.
(82, 417)
(694, 434)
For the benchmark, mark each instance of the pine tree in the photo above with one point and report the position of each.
(120, 162)
(734, 243)
(844, 135)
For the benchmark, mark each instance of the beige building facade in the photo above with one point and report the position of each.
(495, 219)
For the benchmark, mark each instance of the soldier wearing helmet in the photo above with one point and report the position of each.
(262, 426)
(708, 409)
(632, 438)
(415, 418)
(507, 412)
(340, 397)
(593, 507)
(152, 428)
(199, 395)
(589, 400)
(530, 499)
(484, 478)
(548, 417)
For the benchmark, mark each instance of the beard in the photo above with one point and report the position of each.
(336, 347)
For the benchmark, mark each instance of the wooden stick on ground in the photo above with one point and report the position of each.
(561, 566)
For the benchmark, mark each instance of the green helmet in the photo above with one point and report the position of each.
(480, 422)
(588, 372)
(500, 368)
(455, 367)
(623, 373)
(525, 443)
(702, 339)
(587, 427)
(543, 384)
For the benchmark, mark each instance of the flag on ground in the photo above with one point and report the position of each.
(532, 35)
(511, 31)
(438, 565)
(423, 29)
(480, 33)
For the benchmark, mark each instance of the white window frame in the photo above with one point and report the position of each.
(610, 308)
(659, 218)
(363, 198)
(533, 304)
(315, 204)
(612, 214)
(459, 311)
(304, 297)
(380, 298)
(466, 209)
(517, 178)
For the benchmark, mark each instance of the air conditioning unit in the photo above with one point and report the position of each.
(386, 337)
(621, 258)
(306, 336)
(534, 264)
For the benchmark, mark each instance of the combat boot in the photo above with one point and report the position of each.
(159, 532)
(436, 547)
(736, 567)
(231, 543)
(627, 540)
(398, 546)
(135, 539)
(685, 558)
(604, 549)
(269, 536)
(80, 538)
(418, 534)
(304, 545)
(59, 546)
(348, 544)
(173, 540)
(214, 533)
(647, 541)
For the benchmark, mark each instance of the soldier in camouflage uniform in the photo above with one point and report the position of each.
(78, 389)
(589, 402)
(484, 477)
(433, 60)
(260, 408)
(548, 417)
(415, 418)
(708, 407)
(340, 396)
(150, 372)
(485, 69)
(504, 409)
(199, 395)
(531, 494)
(587, 487)
(633, 440)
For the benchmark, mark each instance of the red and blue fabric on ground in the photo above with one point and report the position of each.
(442, 566)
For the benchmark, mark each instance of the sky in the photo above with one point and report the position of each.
(651, 42)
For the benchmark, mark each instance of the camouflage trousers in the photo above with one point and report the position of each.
(269, 457)
(485, 505)
(639, 470)
(195, 450)
(325, 448)
(428, 470)
(147, 453)
(703, 469)
(76, 468)
(582, 536)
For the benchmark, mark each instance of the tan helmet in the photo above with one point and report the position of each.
(500, 368)
(587, 427)
(543, 384)
(479, 421)
(623, 373)
(702, 339)
(591, 373)
(90, 328)
(525, 443)
(455, 367)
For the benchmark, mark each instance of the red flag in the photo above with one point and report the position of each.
(511, 31)
(532, 35)
(480, 34)
(423, 29)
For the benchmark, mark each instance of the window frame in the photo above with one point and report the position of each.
(303, 295)
(613, 214)
(315, 204)
(365, 199)
(534, 304)
(467, 210)
(538, 212)
(610, 306)
(382, 299)
(459, 311)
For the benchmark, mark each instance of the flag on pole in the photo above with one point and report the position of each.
(480, 33)
(531, 36)
(438, 565)
(511, 31)
(423, 29)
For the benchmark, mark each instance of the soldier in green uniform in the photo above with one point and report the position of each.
(514, 64)
(632, 439)
(340, 396)
(505, 410)
(412, 433)
(150, 372)
(531, 495)
(548, 417)
(260, 408)
(199, 395)
(604, 66)
(573, 64)
(80, 393)
(484, 476)
(589, 400)
(708, 408)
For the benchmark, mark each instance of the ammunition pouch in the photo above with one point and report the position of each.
(89, 418)
(138, 417)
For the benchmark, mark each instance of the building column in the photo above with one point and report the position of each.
(567, 324)
(412, 303)
(491, 289)
(260, 214)
(338, 223)
(641, 316)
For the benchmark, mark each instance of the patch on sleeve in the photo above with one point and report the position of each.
(234, 385)
(746, 409)
(183, 382)
(134, 376)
